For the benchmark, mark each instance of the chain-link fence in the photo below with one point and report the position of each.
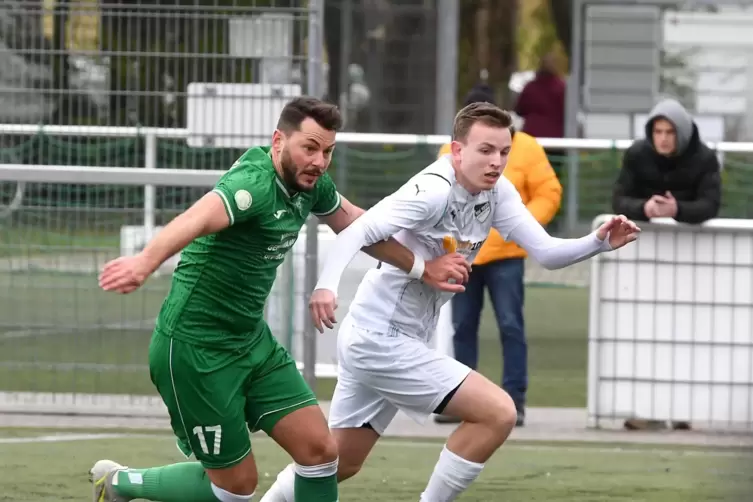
(382, 59)
(110, 62)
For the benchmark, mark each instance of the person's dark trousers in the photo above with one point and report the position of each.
(504, 278)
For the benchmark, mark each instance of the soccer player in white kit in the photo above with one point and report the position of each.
(385, 363)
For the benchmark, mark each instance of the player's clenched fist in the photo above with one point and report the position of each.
(322, 306)
(124, 275)
(447, 273)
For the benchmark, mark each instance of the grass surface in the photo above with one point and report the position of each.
(397, 470)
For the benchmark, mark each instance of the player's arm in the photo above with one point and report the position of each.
(516, 223)
(406, 209)
(389, 251)
(229, 203)
(238, 196)
(206, 216)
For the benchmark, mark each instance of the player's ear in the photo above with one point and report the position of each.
(455, 147)
(278, 140)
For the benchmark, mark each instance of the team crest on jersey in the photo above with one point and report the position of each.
(482, 211)
(242, 199)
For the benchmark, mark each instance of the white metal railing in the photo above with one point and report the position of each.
(345, 137)
(152, 134)
(671, 326)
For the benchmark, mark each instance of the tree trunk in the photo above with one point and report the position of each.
(562, 17)
(502, 37)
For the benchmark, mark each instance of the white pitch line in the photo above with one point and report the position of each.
(31, 332)
(405, 443)
(59, 438)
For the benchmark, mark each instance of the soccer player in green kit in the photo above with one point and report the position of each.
(212, 358)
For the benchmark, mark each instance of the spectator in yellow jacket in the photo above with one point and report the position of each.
(499, 266)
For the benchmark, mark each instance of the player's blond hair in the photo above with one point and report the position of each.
(481, 112)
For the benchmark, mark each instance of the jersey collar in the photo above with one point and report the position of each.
(281, 185)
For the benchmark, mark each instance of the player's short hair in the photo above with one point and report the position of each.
(480, 112)
(299, 109)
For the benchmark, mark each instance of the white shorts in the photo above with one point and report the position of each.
(380, 374)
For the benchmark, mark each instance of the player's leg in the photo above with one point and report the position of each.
(207, 415)
(358, 416)
(421, 381)
(280, 403)
(507, 290)
(488, 416)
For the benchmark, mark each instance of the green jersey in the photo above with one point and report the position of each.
(222, 281)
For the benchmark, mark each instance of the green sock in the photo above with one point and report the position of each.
(322, 488)
(184, 482)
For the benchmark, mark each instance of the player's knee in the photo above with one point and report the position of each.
(319, 451)
(501, 414)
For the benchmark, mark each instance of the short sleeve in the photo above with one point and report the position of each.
(510, 211)
(243, 192)
(327, 199)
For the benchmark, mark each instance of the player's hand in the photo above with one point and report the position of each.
(322, 306)
(447, 273)
(619, 230)
(124, 275)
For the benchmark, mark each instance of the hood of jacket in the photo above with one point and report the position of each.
(676, 114)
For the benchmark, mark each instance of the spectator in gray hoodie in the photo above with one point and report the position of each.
(669, 174)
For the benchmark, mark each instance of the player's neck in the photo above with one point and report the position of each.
(463, 182)
(278, 168)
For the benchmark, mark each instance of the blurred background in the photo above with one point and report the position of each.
(115, 115)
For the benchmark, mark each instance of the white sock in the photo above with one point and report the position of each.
(283, 490)
(226, 496)
(452, 476)
(317, 471)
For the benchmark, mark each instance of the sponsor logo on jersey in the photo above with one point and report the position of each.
(242, 199)
(452, 245)
(278, 251)
(482, 211)
(278, 214)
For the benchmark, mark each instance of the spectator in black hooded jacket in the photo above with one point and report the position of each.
(669, 174)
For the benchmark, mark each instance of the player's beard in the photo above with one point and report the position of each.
(290, 172)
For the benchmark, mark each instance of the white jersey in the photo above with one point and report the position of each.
(442, 213)
(431, 210)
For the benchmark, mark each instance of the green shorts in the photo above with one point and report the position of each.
(215, 397)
